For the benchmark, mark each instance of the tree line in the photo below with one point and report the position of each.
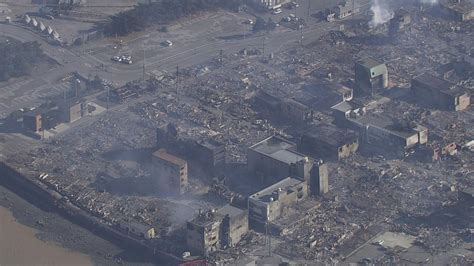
(164, 11)
(17, 58)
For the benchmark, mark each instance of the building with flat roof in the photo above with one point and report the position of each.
(371, 75)
(202, 233)
(70, 110)
(138, 229)
(321, 96)
(439, 93)
(281, 110)
(350, 7)
(347, 109)
(275, 158)
(33, 120)
(216, 229)
(383, 135)
(235, 224)
(268, 204)
(329, 142)
(171, 171)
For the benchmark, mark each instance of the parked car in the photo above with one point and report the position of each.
(277, 11)
(126, 59)
(249, 21)
(117, 58)
(167, 43)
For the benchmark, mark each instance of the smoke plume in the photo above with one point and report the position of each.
(382, 13)
(429, 2)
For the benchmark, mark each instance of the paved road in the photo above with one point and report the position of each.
(28, 92)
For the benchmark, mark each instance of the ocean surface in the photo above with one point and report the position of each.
(19, 246)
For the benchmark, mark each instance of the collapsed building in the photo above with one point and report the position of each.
(400, 21)
(371, 76)
(461, 10)
(269, 204)
(275, 158)
(329, 142)
(438, 93)
(170, 170)
(213, 230)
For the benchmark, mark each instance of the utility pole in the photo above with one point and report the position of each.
(144, 64)
(302, 35)
(108, 95)
(269, 239)
(309, 12)
(177, 80)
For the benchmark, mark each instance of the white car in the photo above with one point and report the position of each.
(277, 11)
(249, 21)
(117, 58)
(167, 43)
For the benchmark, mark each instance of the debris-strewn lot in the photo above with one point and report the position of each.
(105, 167)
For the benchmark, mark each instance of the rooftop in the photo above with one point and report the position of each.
(439, 84)
(385, 123)
(324, 95)
(206, 218)
(369, 62)
(346, 106)
(330, 134)
(279, 149)
(212, 144)
(265, 194)
(165, 156)
(230, 210)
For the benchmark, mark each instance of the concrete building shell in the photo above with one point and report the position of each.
(269, 204)
(329, 142)
(439, 93)
(371, 76)
(171, 170)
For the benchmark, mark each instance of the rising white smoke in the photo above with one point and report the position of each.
(429, 2)
(382, 13)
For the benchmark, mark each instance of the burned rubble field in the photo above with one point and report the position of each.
(105, 167)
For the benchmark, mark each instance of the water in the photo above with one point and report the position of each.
(19, 246)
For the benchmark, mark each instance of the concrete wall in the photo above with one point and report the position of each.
(319, 182)
(171, 175)
(370, 80)
(437, 99)
(463, 102)
(321, 149)
(202, 239)
(347, 150)
(265, 168)
(270, 211)
(238, 227)
(75, 113)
